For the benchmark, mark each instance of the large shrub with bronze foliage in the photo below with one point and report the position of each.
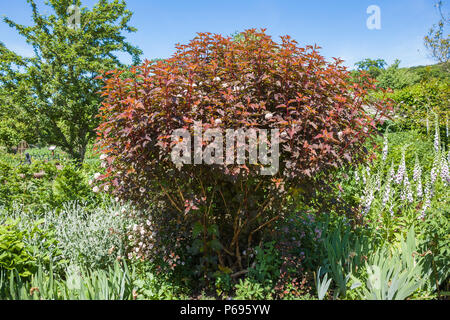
(249, 82)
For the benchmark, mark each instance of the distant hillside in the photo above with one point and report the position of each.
(440, 70)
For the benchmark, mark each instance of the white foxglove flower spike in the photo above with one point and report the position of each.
(444, 171)
(419, 188)
(435, 169)
(401, 170)
(436, 135)
(446, 126)
(385, 147)
(417, 170)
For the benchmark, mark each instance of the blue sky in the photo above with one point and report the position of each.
(338, 26)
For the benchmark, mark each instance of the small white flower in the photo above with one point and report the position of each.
(103, 156)
(106, 188)
(269, 116)
(218, 121)
(97, 175)
(95, 189)
(142, 190)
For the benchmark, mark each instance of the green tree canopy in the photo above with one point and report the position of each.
(395, 78)
(59, 82)
(373, 67)
(16, 124)
(437, 41)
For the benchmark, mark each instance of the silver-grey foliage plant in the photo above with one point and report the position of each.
(90, 238)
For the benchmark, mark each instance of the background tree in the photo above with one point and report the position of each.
(60, 78)
(437, 42)
(373, 67)
(394, 77)
(16, 125)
